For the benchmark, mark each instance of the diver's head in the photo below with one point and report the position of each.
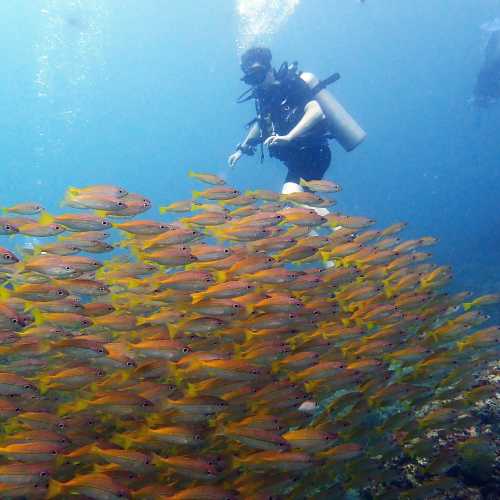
(256, 66)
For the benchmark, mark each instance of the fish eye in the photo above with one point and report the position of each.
(145, 404)
(186, 349)
(100, 350)
(54, 452)
(120, 204)
(67, 268)
(43, 473)
(6, 256)
(27, 386)
(14, 321)
(130, 363)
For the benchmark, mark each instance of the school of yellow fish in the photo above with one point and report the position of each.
(243, 347)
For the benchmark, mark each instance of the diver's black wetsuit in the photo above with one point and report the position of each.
(279, 110)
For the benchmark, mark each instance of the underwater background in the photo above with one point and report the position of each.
(136, 93)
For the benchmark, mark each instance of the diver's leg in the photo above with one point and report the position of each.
(292, 180)
(310, 164)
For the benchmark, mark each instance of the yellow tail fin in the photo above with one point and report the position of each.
(44, 385)
(192, 391)
(157, 461)
(55, 488)
(73, 407)
(220, 276)
(4, 293)
(38, 316)
(46, 219)
(173, 330)
(275, 366)
(124, 441)
(197, 297)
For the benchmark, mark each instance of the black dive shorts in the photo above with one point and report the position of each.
(309, 163)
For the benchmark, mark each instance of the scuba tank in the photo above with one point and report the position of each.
(345, 130)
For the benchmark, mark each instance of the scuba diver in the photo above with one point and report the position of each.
(296, 116)
(487, 88)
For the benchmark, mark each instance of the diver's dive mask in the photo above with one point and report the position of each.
(255, 74)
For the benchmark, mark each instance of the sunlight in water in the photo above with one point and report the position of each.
(68, 50)
(68, 54)
(259, 20)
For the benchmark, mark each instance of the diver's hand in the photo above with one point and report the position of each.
(277, 140)
(233, 159)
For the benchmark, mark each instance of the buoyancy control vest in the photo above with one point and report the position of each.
(280, 107)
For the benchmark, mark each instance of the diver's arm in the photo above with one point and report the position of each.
(251, 140)
(313, 114)
(247, 146)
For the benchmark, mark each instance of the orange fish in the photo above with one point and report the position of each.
(217, 193)
(147, 227)
(77, 222)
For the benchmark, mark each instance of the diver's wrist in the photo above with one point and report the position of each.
(245, 149)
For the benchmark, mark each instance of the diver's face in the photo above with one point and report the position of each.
(268, 80)
(257, 76)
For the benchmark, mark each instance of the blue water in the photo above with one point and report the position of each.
(137, 92)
